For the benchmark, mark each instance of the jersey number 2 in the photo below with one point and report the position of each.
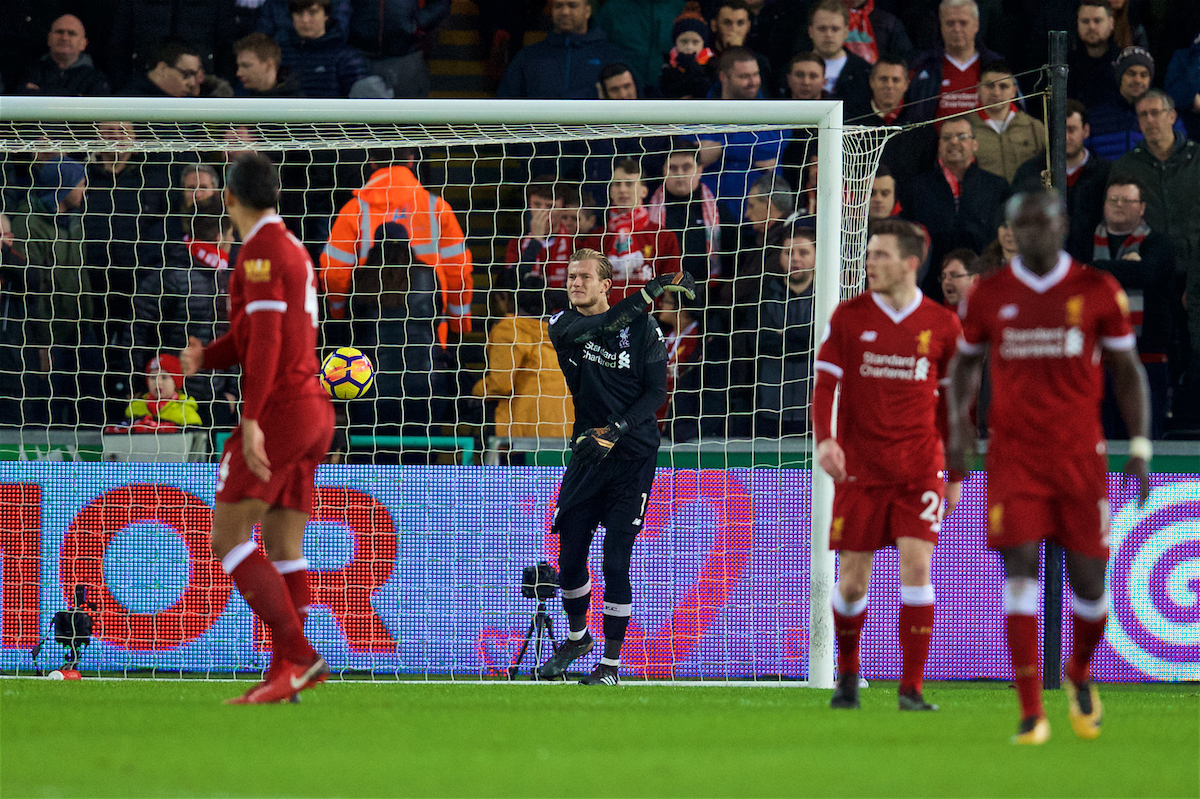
(933, 510)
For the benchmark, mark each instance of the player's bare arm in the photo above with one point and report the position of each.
(966, 371)
(191, 357)
(1133, 398)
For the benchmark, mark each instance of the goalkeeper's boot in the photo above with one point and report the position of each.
(912, 699)
(568, 653)
(1032, 731)
(1084, 708)
(846, 693)
(603, 674)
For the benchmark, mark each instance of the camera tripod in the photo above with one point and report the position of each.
(541, 630)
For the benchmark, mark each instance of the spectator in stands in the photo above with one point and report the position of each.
(1183, 84)
(1143, 260)
(697, 371)
(197, 184)
(175, 71)
(616, 82)
(392, 35)
(259, 61)
(638, 249)
(875, 32)
(956, 277)
(275, 18)
(564, 65)
(642, 29)
(1087, 174)
(731, 26)
(316, 53)
(19, 363)
(502, 28)
(1128, 31)
(778, 30)
(956, 201)
(944, 78)
(1167, 167)
(686, 207)
(1090, 78)
(522, 377)
(124, 227)
(394, 194)
(847, 76)
(164, 408)
(139, 26)
(1003, 248)
(1115, 123)
(1007, 136)
(782, 321)
(66, 70)
(690, 70)
(805, 78)
(731, 161)
(913, 151)
(60, 296)
(187, 295)
(883, 203)
(545, 247)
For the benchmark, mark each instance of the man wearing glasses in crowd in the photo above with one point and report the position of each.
(175, 71)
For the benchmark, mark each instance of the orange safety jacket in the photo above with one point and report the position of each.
(393, 194)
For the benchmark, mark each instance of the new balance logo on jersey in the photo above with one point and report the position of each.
(1008, 312)
(868, 335)
(1041, 342)
(894, 367)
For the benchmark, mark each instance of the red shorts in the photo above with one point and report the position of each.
(297, 438)
(867, 518)
(1040, 498)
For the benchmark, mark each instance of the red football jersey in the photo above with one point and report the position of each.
(272, 320)
(1046, 334)
(639, 251)
(889, 364)
(959, 82)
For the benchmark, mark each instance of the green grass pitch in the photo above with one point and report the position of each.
(168, 737)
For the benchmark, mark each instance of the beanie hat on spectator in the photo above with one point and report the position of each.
(689, 22)
(168, 363)
(1131, 57)
(58, 178)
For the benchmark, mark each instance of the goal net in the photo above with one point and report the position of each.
(440, 233)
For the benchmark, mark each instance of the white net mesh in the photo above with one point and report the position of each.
(442, 250)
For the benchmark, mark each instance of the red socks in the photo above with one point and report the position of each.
(1022, 596)
(1090, 618)
(267, 595)
(295, 576)
(916, 628)
(848, 618)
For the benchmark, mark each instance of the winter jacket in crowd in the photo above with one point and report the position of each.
(563, 66)
(81, 79)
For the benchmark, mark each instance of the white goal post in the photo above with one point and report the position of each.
(847, 158)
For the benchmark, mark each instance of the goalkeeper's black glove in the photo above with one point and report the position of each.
(595, 443)
(681, 282)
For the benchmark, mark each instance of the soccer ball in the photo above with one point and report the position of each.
(346, 373)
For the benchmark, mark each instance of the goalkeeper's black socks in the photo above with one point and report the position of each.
(577, 625)
(612, 651)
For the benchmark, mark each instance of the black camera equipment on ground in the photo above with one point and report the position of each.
(71, 628)
(539, 582)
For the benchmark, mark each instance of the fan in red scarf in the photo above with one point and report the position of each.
(638, 249)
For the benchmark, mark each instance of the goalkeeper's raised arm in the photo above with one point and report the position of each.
(615, 364)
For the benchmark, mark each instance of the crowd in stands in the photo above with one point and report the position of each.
(143, 244)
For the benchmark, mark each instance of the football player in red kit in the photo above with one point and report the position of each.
(889, 349)
(267, 468)
(1052, 325)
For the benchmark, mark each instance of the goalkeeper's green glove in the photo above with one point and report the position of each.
(681, 282)
(596, 443)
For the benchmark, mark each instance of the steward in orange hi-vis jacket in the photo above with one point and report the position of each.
(393, 194)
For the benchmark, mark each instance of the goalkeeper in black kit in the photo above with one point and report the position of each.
(615, 363)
